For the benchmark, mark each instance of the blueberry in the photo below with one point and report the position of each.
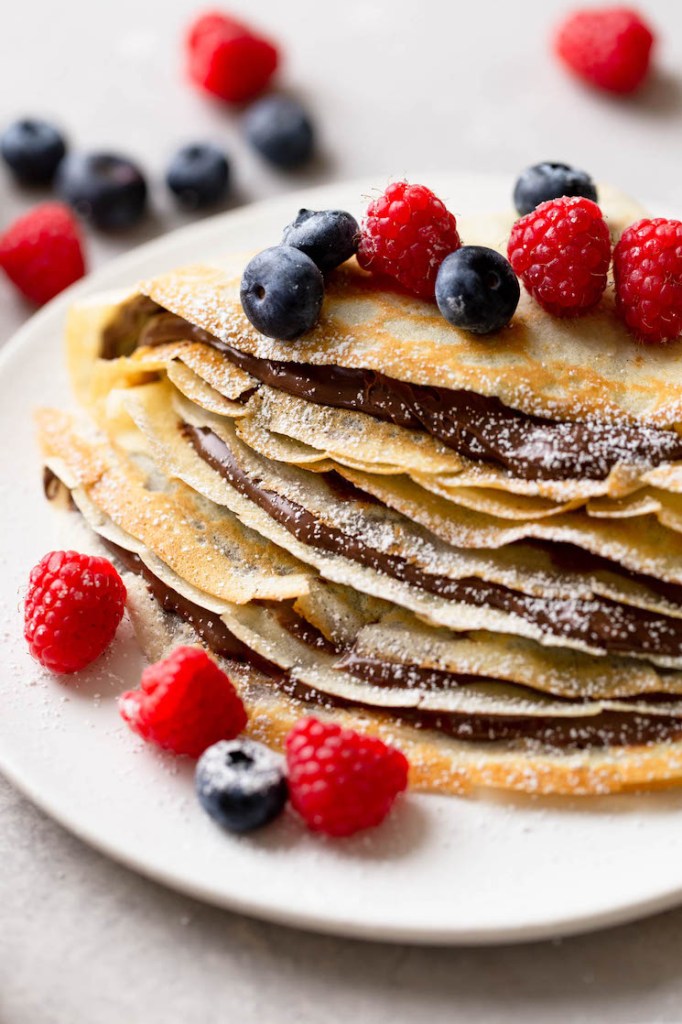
(105, 188)
(198, 175)
(329, 237)
(282, 292)
(281, 131)
(477, 290)
(32, 150)
(241, 784)
(546, 181)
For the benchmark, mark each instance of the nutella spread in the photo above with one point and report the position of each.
(210, 627)
(604, 624)
(479, 427)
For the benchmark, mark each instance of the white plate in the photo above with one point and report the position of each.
(440, 870)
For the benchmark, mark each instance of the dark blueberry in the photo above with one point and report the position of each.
(32, 150)
(281, 131)
(282, 292)
(241, 784)
(329, 237)
(198, 175)
(477, 290)
(546, 181)
(106, 189)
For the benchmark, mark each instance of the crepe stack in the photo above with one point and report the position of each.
(470, 546)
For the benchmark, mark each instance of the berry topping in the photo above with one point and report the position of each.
(406, 234)
(41, 252)
(32, 150)
(281, 131)
(198, 175)
(647, 267)
(561, 251)
(241, 784)
(546, 181)
(329, 237)
(608, 47)
(227, 59)
(341, 781)
(477, 290)
(106, 189)
(282, 292)
(185, 703)
(72, 610)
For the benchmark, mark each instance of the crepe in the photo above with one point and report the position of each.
(470, 546)
(437, 761)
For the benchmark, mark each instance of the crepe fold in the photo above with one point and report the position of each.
(470, 546)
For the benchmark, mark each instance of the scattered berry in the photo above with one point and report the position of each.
(647, 267)
(241, 784)
(608, 47)
(72, 610)
(104, 188)
(561, 251)
(227, 59)
(41, 252)
(198, 175)
(477, 290)
(341, 781)
(184, 704)
(406, 234)
(329, 237)
(282, 292)
(32, 149)
(281, 131)
(546, 181)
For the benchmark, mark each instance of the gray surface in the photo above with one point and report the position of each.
(83, 940)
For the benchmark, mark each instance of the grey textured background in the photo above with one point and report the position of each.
(393, 86)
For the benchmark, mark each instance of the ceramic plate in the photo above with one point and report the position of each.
(493, 869)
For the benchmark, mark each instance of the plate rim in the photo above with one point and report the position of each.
(347, 928)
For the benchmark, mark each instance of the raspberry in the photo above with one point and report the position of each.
(609, 48)
(41, 252)
(647, 267)
(72, 610)
(406, 234)
(561, 251)
(185, 703)
(341, 781)
(227, 59)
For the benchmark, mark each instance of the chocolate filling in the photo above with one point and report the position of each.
(477, 426)
(602, 623)
(571, 559)
(610, 728)
(121, 336)
(208, 625)
(381, 672)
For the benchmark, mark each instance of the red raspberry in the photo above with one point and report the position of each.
(406, 234)
(227, 59)
(185, 703)
(647, 267)
(72, 610)
(41, 252)
(341, 781)
(609, 47)
(561, 251)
